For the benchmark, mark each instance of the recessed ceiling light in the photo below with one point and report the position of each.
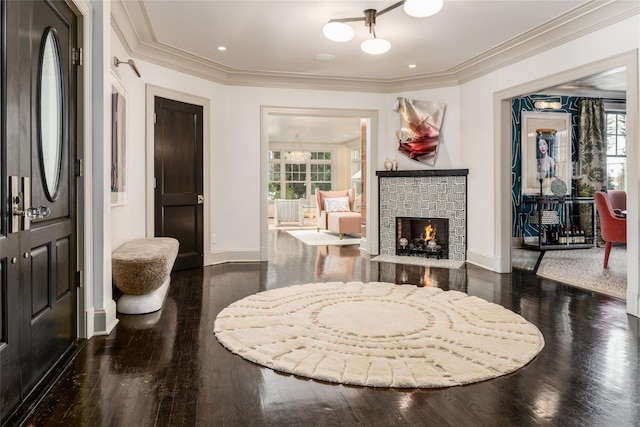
(412, 65)
(222, 48)
(324, 57)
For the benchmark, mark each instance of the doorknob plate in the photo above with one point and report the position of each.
(15, 204)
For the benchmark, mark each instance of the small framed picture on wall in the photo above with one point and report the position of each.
(118, 144)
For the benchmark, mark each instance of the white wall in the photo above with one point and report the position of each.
(482, 144)
(477, 128)
(235, 138)
(125, 219)
(244, 112)
(469, 138)
(451, 143)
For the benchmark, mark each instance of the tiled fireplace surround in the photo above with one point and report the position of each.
(425, 194)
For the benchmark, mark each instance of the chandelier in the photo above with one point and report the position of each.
(338, 31)
(297, 156)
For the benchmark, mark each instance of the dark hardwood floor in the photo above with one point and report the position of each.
(167, 369)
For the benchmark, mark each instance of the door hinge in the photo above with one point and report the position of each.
(155, 118)
(77, 167)
(80, 279)
(76, 56)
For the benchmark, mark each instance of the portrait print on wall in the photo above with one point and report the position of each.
(420, 124)
(546, 153)
(545, 148)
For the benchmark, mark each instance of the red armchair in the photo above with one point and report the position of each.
(612, 227)
(618, 199)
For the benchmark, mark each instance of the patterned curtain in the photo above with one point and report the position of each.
(592, 155)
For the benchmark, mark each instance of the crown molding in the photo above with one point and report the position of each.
(586, 19)
(131, 25)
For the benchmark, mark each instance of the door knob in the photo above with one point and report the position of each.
(23, 197)
(32, 213)
(36, 213)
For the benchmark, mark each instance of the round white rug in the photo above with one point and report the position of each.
(378, 334)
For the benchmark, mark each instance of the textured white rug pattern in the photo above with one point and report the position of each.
(584, 268)
(324, 238)
(378, 334)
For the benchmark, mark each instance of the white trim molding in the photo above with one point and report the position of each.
(503, 147)
(372, 154)
(132, 25)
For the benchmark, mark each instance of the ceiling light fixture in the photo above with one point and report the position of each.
(547, 105)
(337, 30)
(297, 156)
(422, 8)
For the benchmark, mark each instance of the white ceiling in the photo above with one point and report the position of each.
(285, 36)
(274, 43)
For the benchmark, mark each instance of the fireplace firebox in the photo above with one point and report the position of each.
(425, 237)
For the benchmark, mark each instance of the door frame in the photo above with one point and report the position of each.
(83, 129)
(503, 154)
(151, 92)
(369, 244)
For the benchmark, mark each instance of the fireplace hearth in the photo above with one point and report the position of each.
(424, 237)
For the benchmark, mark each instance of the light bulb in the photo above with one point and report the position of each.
(422, 8)
(338, 31)
(375, 46)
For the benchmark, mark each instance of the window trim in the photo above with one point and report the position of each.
(615, 111)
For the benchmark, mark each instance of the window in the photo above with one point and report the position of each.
(299, 180)
(275, 175)
(616, 149)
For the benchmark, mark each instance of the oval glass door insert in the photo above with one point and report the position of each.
(50, 113)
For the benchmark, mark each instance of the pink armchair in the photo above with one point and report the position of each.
(613, 228)
(339, 218)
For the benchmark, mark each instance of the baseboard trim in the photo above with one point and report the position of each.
(105, 320)
(239, 255)
(633, 302)
(481, 260)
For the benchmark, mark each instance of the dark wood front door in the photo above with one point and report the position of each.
(38, 227)
(178, 178)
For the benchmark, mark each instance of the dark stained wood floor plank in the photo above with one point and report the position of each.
(168, 369)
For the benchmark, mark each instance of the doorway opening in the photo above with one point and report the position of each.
(304, 150)
(503, 201)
